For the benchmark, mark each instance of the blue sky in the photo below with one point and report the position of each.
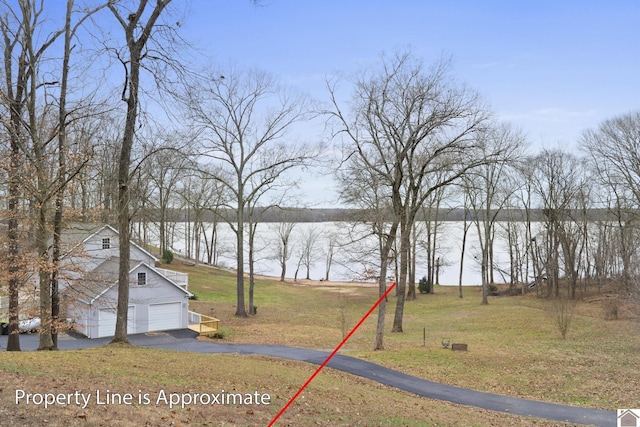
(551, 67)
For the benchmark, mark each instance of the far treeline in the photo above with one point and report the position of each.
(310, 215)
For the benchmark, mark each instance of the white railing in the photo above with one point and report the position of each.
(204, 325)
(181, 279)
(194, 318)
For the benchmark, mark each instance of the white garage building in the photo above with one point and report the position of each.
(90, 291)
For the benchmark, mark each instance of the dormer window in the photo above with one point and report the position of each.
(106, 243)
(142, 279)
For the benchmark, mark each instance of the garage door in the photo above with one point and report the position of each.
(107, 322)
(163, 317)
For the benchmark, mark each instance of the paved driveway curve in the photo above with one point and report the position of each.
(184, 341)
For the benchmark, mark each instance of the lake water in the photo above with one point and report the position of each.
(352, 260)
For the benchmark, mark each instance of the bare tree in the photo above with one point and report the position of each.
(64, 172)
(16, 78)
(329, 254)
(574, 233)
(618, 243)
(137, 33)
(406, 125)
(466, 224)
(282, 247)
(101, 181)
(524, 176)
(204, 199)
(167, 168)
(32, 128)
(254, 217)
(431, 210)
(614, 151)
(308, 248)
(360, 186)
(514, 230)
(557, 182)
(488, 190)
(614, 148)
(243, 119)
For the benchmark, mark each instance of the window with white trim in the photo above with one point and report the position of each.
(142, 279)
(106, 243)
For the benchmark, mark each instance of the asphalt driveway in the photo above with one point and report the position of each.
(184, 340)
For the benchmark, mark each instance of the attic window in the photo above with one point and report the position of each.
(142, 279)
(106, 243)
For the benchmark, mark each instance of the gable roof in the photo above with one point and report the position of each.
(97, 282)
(105, 276)
(80, 233)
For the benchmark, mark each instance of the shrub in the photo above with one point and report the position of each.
(343, 307)
(222, 332)
(424, 286)
(611, 310)
(167, 256)
(561, 310)
(493, 290)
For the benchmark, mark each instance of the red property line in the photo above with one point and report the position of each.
(355, 328)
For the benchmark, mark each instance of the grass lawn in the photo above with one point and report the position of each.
(514, 348)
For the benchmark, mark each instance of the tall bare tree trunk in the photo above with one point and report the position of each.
(56, 251)
(44, 279)
(124, 165)
(434, 247)
(410, 275)
(15, 93)
(414, 256)
(62, 176)
(130, 96)
(484, 267)
(252, 234)
(382, 285)
(241, 310)
(402, 283)
(465, 231)
(429, 248)
(13, 254)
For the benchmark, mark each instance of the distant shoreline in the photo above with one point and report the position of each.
(309, 215)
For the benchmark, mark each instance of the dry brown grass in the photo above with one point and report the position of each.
(332, 399)
(514, 349)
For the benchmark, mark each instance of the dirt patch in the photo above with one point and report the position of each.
(351, 288)
(328, 284)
